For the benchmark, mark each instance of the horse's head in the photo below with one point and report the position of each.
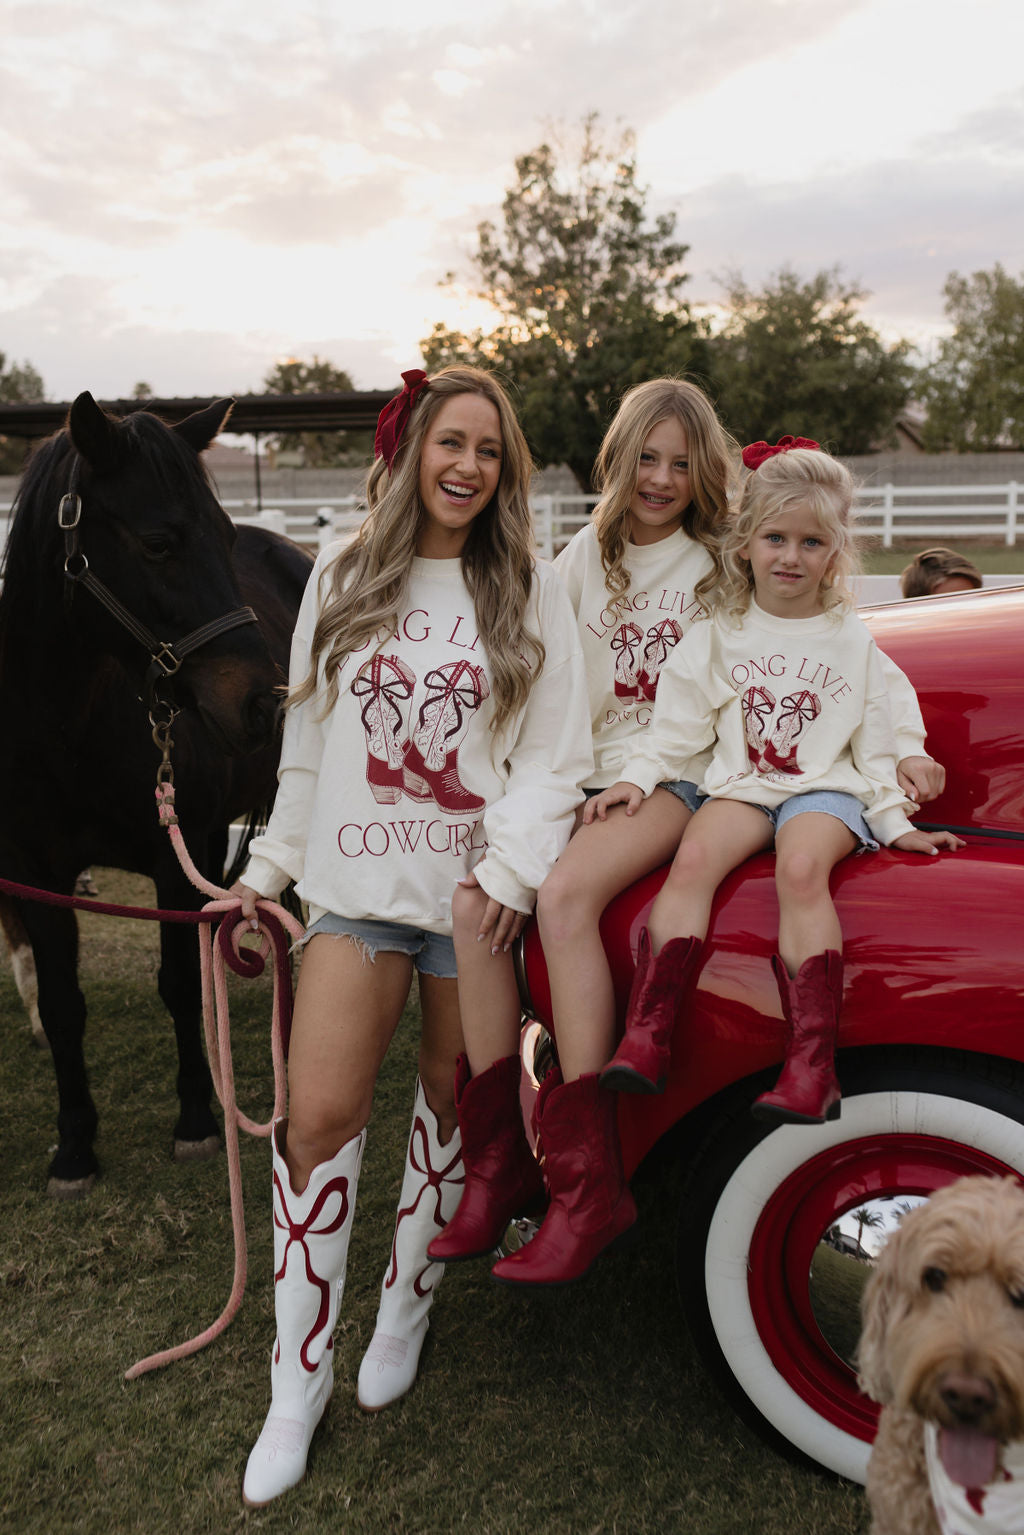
(151, 533)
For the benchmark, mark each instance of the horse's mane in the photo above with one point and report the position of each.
(33, 540)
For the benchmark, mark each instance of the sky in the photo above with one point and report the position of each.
(193, 192)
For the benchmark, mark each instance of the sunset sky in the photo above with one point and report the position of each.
(191, 192)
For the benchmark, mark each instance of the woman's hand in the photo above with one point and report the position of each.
(499, 925)
(249, 897)
(921, 778)
(621, 793)
(928, 841)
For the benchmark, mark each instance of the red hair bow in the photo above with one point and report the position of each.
(392, 421)
(755, 453)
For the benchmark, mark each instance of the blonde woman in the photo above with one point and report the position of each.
(436, 726)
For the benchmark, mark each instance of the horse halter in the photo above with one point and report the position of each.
(165, 656)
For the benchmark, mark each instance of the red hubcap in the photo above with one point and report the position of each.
(790, 1227)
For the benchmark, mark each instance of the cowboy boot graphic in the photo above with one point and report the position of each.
(454, 693)
(758, 704)
(660, 640)
(384, 686)
(798, 710)
(624, 642)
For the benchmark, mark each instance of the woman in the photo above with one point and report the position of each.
(436, 729)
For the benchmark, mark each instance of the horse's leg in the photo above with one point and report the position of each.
(24, 967)
(196, 1136)
(54, 936)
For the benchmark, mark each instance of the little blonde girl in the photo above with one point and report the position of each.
(785, 689)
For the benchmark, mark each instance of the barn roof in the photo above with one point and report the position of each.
(354, 411)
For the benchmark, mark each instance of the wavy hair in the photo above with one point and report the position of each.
(370, 577)
(712, 457)
(813, 481)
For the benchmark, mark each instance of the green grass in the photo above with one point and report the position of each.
(991, 559)
(580, 1410)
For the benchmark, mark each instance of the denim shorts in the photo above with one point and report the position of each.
(682, 788)
(432, 953)
(845, 807)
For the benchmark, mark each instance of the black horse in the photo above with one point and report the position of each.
(124, 510)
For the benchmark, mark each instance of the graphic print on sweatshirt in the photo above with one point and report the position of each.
(639, 657)
(772, 731)
(418, 758)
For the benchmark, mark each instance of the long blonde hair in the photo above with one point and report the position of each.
(712, 455)
(806, 478)
(370, 577)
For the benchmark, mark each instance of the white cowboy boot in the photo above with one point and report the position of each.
(311, 1235)
(431, 1190)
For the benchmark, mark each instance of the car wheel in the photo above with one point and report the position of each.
(772, 1306)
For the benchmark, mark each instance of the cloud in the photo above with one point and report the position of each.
(898, 228)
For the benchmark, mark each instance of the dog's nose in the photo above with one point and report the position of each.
(968, 1397)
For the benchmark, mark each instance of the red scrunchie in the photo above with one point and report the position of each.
(392, 421)
(755, 453)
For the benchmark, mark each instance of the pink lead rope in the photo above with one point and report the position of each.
(274, 922)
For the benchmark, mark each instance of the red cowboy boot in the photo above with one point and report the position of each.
(640, 1064)
(624, 642)
(758, 704)
(591, 1203)
(311, 1236)
(660, 640)
(454, 693)
(807, 1092)
(430, 1192)
(386, 684)
(798, 710)
(502, 1177)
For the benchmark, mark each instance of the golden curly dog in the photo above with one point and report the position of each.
(943, 1351)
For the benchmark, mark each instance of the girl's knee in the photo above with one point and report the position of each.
(800, 875)
(565, 904)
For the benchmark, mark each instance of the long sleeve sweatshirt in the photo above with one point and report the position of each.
(786, 706)
(627, 640)
(401, 789)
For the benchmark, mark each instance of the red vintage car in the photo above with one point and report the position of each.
(931, 1056)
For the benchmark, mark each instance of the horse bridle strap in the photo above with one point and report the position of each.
(165, 656)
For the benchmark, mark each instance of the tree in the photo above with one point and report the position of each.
(796, 358)
(20, 384)
(586, 290)
(974, 392)
(865, 1216)
(320, 450)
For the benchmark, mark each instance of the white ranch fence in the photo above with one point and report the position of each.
(885, 512)
(924, 513)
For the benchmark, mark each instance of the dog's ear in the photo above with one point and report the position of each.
(876, 1306)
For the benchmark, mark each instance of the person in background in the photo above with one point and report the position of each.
(936, 571)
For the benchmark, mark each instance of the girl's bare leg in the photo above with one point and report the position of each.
(721, 836)
(488, 995)
(600, 861)
(440, 1047)
(347, 1008)
(807, 849)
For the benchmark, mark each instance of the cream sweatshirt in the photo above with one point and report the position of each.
(402, 789)
(786, 706)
